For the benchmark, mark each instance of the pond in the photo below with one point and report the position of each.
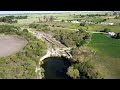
(56, 68)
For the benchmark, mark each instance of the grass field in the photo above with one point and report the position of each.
(115, 29)
(113, 20)
(107, 57)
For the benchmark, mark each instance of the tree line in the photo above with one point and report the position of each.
(11, 19)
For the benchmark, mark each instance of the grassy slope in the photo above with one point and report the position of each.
(107, 59)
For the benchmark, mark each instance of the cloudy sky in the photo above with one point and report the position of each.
(20, 12)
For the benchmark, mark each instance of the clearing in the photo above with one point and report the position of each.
(10, 44)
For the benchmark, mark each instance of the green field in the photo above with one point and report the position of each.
(113, 20)
(107, 57)
(115, 29)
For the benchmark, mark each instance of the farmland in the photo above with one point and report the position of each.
(115, 29)
(107, 50)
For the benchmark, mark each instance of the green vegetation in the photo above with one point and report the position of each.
(54, 25)
(115, 29)
(74, 73)
(22, 64)
(112, 20)
(71, 38)
(106, 30)
(83, 66)
(118, 36)
(98, 19)
(11, 19)
(105, 45)
(107, 54)
(8, 29)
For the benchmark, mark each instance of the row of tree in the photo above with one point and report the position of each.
(7, 20)
(16, 17)
(90, 15)
(47, 19)
(11, 19)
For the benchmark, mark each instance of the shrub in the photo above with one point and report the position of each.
(118, 36)
(25, 30)
(106, 30)
(74, 73)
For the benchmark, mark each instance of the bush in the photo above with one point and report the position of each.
(84, 70)
(73, 73)
(25, 30)
(70, 38)
(106, 30)
(118, 36)
(83, 24)
(62, 20)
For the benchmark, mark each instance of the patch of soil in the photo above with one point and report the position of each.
(10, 44)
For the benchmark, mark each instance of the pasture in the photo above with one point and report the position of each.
(107, 58)
(115, 29)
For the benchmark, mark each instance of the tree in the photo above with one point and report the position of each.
(80, 43)
(44, 17)
(82, 24)
(39, 20)
(106, 30)
(115, 13)
(62, 20)
(87, 36)
(118, 36)
(117, 17)
(74, 73)
(51, 18)
(80, 31)
(25, 30)
(106, 14)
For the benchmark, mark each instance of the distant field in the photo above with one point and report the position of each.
(108, 51)
(113, 20)
(27, 21)
(101, 27)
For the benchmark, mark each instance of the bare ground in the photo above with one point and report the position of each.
(11, 44)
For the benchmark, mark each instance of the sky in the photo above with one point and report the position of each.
(21, 12)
